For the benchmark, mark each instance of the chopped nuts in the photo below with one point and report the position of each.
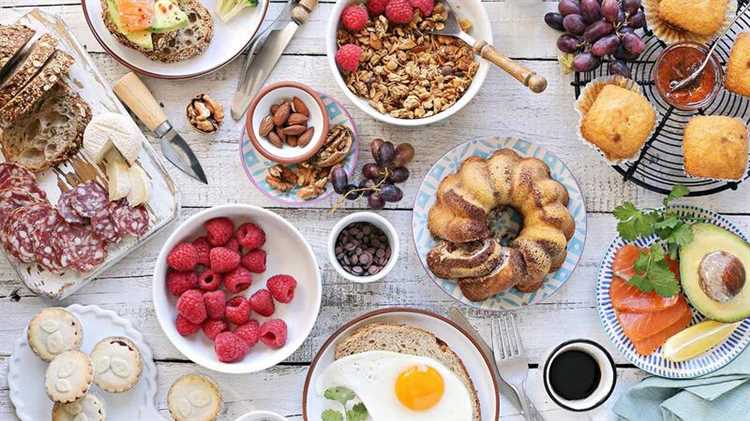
(205, 114)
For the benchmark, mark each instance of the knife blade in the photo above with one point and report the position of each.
(139, 99)
(258, 67)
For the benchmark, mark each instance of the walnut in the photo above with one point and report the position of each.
(205, 114)
(337, 147)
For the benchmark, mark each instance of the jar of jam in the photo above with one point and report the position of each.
(679, 61)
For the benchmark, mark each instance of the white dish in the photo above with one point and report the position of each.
(229, 40)
(460, 341)
(481, 30)
(379, 222)
(261, 416)
(26, 371)
(288, 253)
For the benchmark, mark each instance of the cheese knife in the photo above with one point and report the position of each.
(265, 52)
(139, 99)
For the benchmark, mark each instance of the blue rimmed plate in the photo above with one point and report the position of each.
(707, 363)
(255, 165)
(449, 164)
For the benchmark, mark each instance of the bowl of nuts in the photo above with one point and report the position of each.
(287, 122)
(363, 247)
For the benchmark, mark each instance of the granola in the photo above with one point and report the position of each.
(406, 72)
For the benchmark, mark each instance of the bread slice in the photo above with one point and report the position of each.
(21, 104)
(411, 341)
(175, 46)
(39, 53)
(51, 133)
(12, 40)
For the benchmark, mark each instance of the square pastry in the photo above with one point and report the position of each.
(703, 17)
(716, 147)
(738, 68)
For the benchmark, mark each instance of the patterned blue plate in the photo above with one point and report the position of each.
(509, 222)
(654, 363)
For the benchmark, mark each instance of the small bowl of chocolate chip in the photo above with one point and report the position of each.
(363, 247)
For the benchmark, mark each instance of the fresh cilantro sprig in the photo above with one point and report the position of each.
(652, 268)
(342, 395)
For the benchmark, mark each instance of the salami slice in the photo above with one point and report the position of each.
(16, 197)
(82, 249)
(104, 227)
(128, 219)
(88, 198)
(9, 169)
(49, 252)
(24, 231)
(66, 210)
(22, 181)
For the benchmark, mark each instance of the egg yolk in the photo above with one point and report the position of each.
(419, 388)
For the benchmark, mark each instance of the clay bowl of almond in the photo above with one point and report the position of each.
(287, 122)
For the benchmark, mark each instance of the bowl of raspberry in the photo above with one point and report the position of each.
(236, 289)
(387, 62)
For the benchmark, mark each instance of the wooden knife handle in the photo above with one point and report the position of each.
(529, 78)
(302, 10)
(131, 90)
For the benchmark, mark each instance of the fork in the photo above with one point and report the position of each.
(512, 362)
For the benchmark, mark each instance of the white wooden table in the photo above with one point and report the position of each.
(502, 108)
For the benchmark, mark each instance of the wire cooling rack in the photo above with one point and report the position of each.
(660, 164)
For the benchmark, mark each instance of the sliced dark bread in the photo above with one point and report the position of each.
(51, 133)
(25, 100)
(412, 341)
(12, 40)
(176, 46)
(28, 67)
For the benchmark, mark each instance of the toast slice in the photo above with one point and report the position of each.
(12, 40)
(412, 341)
(175, 46)
(28, 67)
(52, 72)
(51, 133)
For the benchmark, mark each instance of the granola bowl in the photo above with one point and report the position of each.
(392, 87)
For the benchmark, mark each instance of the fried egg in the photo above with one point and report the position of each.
(396, 386)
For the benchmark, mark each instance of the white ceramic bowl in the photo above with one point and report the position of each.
(288, 253)
(379, 222)
(481, 30)
(261, 416)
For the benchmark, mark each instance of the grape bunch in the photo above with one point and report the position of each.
(597, 29)
(380, 177)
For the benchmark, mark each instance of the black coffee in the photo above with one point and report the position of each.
(574, 375)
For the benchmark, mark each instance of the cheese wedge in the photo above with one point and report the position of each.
(109, 130)
(118, 175)
(140, 186)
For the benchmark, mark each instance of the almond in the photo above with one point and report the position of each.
(305, 137)
(282, 114)
(275, 140)
(297, 118)
(300, 107)
(280, 133)
(292, 140)
(266, 125)
(274, 108)
(294, 130)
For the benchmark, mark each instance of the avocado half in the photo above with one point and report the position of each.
(722, 296)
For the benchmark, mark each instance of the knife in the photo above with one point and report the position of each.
(265, 53)
(131, 91)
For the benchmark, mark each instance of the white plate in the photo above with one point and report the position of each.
(461, 342)
(229, 40)
(288, 253)
(26, 371)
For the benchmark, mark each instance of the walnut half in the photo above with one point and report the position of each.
(205, 114)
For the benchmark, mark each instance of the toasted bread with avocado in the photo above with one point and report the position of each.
(411, 341)
(172, 37)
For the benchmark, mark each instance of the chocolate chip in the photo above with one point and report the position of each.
(362, 249)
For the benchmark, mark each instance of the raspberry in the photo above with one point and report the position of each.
(224, 260)
(255, 261)
(249, 332)
(233, 244)
(251, 236)
(347, 57)
(238, 310)
(425, 6)
(190, 305)
(238, 280)
(203, 247)
(211, 328)
(399, 11)
(185, 327)
(282, 287)
(229, 347)
(354, 17)
(209, 281)
(273, 333)
(377, 7)
(183, 257)
(179, 282)
(219, 231)
(215, 302)
(262, 303)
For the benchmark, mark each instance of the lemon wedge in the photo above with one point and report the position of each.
(696, 340)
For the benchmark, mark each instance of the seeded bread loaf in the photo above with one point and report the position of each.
(26, 99)
(411, 341)
(175, 46)
(51, 133)
(12, 40)
(29, 66)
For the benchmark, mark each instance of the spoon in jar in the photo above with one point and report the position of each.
(676, 85)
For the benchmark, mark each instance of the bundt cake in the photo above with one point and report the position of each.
(468, 253)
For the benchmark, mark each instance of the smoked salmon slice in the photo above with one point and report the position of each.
(626, 297)
(639, 326)
(135, 15)
(652, 343)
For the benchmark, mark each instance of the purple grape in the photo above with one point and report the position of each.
(399, 175)
(618, 67)
(375, 147)
(569, 7)
(626, 30)
(391, 193)
(620, 17)
(631, 6)
(610, 10)
(351, 192)
(621, 54)
(339, 179)
(605, 46)
(554, 21)
(598, 30)
(385, 154)
(591, 10)
(375, 201)
(633, 44)
(567, 43)
(585, 62)
(637, 20)
(574, 24)
(367, 186)
(372, 171)
(404, 154)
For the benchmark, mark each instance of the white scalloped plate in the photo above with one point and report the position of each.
(26, 371)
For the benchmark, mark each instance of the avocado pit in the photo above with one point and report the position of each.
(721, 275)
